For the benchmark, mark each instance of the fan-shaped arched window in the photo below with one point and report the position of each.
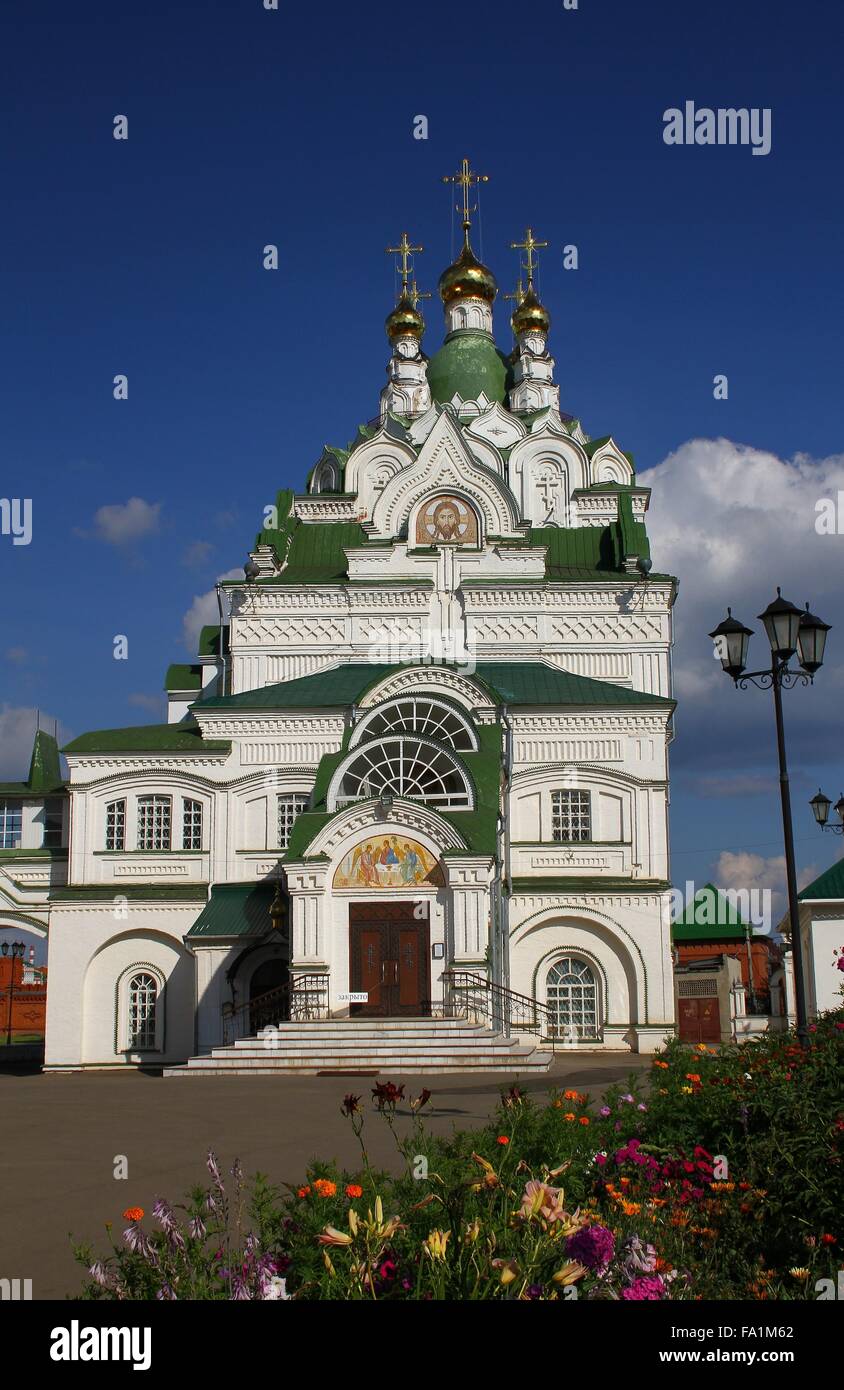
(413, 767)
(418, 714)
(142, 1006)
(571, 993)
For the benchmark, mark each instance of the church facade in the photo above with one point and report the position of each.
(427, 743)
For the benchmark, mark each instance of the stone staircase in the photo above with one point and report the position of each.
(403, 1047)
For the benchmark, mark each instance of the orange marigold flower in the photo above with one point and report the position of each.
(663, 1066)
(133, 1214)
(692, 1076)
(325, 1187)
(353, 1190)
(502, 1139)
(570, 1116)
(571, 1095)
(584, 1119)
(303, 1192)
(631, 1208)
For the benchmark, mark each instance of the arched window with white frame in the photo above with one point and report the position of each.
(571, 993)
(418, 714)
(413, 767)
(140, 1005)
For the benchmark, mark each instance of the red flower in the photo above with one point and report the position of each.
(502, 1139)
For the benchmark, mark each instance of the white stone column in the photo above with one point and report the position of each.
(212, 991)
(470, 878)
(306, 884)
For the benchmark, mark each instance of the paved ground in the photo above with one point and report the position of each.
(59, 1135)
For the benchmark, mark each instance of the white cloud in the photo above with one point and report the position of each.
(197, 554)
(156, 704)
(121, 523)
(744, 871)
(733, 522)
(17, 733)
(204, 611)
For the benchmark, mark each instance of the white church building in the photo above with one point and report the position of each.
(422, 759)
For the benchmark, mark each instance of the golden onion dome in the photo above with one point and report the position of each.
(531, 316)
(405, 320)
(467, 278)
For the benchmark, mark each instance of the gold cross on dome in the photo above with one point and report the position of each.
(529, 245)
(414, 295)
(466, 178)
(404, 251)
(519, 293)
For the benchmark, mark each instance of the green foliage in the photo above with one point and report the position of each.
(717, 1177)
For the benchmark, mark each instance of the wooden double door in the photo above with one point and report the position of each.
(389, 950)
(699, 1020)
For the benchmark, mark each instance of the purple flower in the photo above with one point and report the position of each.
(163, 1213)
(593, 1247)
(649, 1287)
(636, 1258)
(197, 1228)
(605, 1110)
(213, 1168)
(534, 1291)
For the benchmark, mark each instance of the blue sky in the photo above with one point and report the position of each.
(295, 127)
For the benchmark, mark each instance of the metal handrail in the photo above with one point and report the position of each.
(301, 997)
(469, 995)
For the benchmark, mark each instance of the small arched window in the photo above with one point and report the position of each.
(142, 1010)
(571, 993)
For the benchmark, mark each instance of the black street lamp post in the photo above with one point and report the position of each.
(789, 631)
(17, 949)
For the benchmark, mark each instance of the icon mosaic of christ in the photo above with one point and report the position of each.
(387, 862)
(446, 520)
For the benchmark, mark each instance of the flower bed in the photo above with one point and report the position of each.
(718, 1176)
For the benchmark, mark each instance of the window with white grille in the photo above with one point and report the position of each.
(142, 1005)
(11, 818)
(572, 996)
(571, 816)
(115, 836)
(289, 807)
(192, 825)
(153, 822)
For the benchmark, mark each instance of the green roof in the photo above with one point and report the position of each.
(507, 682)
(45, 773)
(184, 737)
(312, 553)
(209, 640)
(710, 916)
(181, 677)
(829, 885)
(154, 892)
(235, 909)
(469, 363)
